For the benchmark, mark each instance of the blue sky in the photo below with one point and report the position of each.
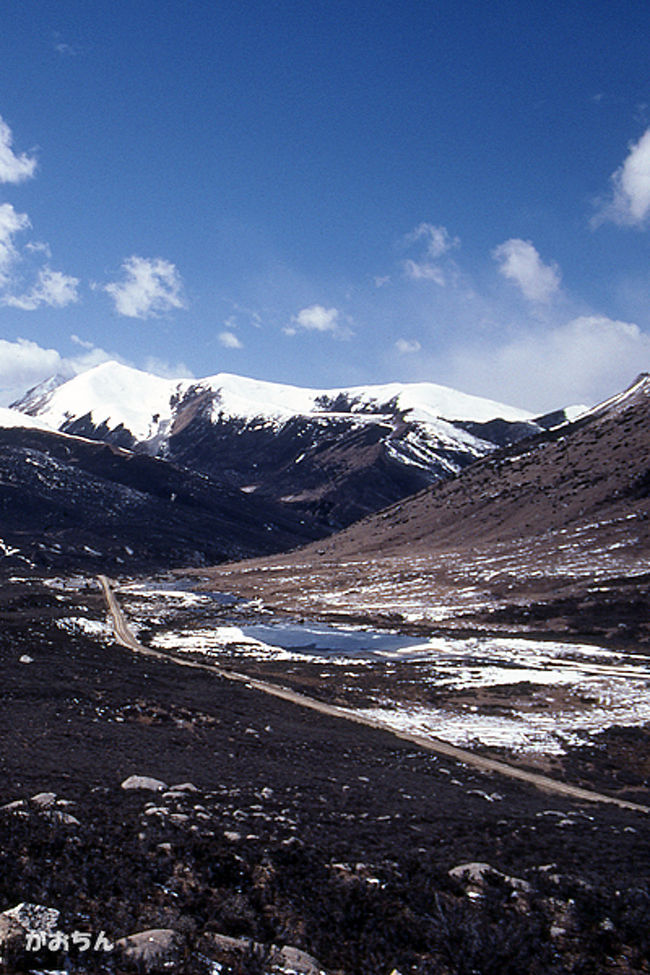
(328, 193)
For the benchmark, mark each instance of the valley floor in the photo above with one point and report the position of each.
(301, 830)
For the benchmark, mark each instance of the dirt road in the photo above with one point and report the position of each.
(125, 637)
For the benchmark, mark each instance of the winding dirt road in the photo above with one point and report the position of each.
(125, 638)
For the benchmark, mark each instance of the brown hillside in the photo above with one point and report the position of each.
(554, 518)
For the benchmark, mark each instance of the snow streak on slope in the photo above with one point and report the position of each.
(13, 418)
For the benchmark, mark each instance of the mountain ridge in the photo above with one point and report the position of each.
(332, 455)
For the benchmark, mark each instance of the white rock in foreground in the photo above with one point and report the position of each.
(144, 782)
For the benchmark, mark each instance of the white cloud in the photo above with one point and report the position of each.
(52, 288)
(582, 361)
(82, 342)
(150, 288)
(167, 370)
(11, 223)
(437, 239)
(13, 168)
(230, 341)
(520, 262)
(437, 242)
(315, 318)
(424, 271)
(24, 364)
(407, 346)
(629, 202)
(38, 247)
(61, 47)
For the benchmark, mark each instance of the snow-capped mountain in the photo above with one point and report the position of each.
(331, 454)
(116, 395)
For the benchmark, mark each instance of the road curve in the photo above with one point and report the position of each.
(125, 637)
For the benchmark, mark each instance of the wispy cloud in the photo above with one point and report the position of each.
(628, 203)
(407, 346)
(520, 262)
(317, 318)
(434, 242)
(11, 223)
(13, 168)
(167, 370)
(52, 288)
(62, 47)
(230, 341)
(581, 361)
(150, 288)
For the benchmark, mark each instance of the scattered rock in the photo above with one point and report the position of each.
(12, 936)
(44, 799)
(184, 787)
(475, 874)
(152, 948)
(144, 782)
(34, 917)
(223, 944)
(25, 659)
(290, 959)
(14, 806)
(232, 836)
(293, 841)
(67, 819)
(287, 960)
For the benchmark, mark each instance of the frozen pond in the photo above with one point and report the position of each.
(322, 640)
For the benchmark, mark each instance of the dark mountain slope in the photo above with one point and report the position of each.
(68, 503)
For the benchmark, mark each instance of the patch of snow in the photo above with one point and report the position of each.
(81, 624)
(14, 418)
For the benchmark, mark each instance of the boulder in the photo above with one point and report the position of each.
(283, 961)
(44, 800)
(293, 960)
(144, 782)
(33, 917)
(475, 875)
(14, 806)
(151, 949)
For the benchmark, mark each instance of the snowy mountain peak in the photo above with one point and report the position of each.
(114, 395)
